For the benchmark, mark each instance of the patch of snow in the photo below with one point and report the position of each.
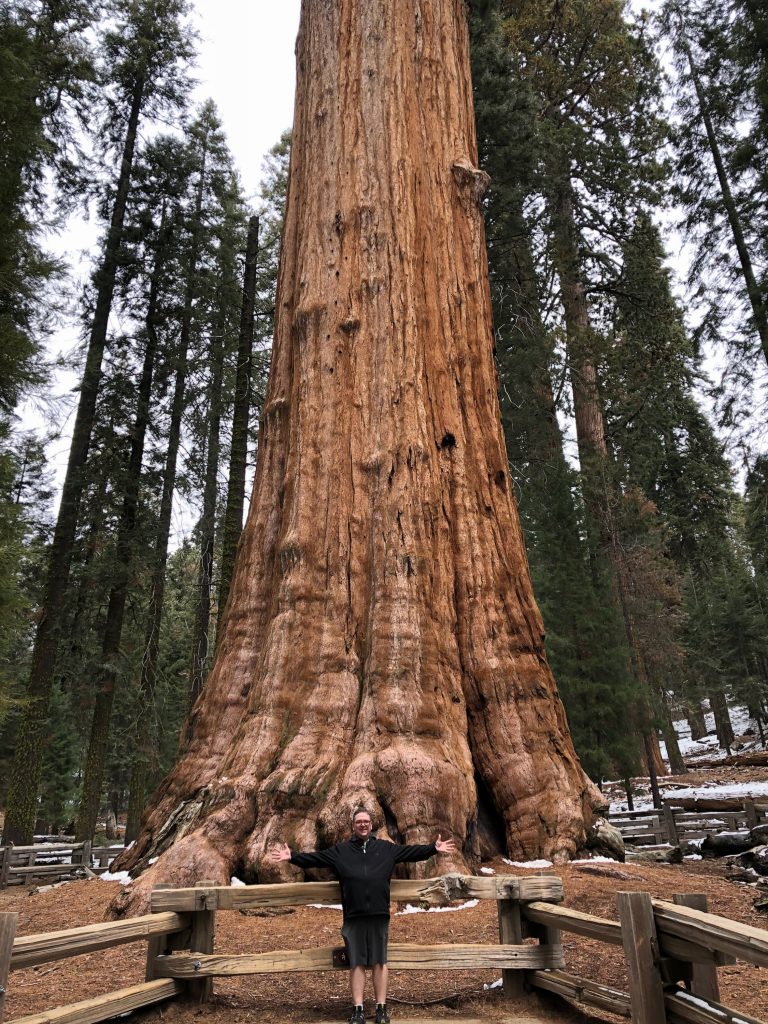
(326, 906)
(528, 863)
(117, 876)
(152, 860)
(596, 860)
(494, 984)
(688, 998)
(410, 909)
(237, 882)
(692, 856)
(487, 871)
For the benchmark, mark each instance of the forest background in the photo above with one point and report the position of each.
(633, 397)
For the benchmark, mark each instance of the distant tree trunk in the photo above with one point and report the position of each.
(25, 777)
(381, 642)
(594, 458)
(675, 758)
(695, 716)
(238, 459)
(207, 527)
(113, 627)
(143, 747)
(755, 293)
(719, 706)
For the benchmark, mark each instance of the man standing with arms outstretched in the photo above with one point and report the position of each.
(364, 867)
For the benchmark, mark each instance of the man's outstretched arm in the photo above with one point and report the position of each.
(316, 859)
(423, 851)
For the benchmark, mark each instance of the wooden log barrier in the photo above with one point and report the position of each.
(202, 938)
(711, 932)
(511, 934)
(401, 957)
(582, 991)
(704, 981)
(7, 934)
(430, 892)
(114, 1004)
(641, 949)
(31, 950)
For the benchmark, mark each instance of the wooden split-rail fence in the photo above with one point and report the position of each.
(674, 824)
(672, 949)
(26, 865)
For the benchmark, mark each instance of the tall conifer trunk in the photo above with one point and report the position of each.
(238, 460)
(381, 642)
(25, 778)
(594, 458)
(754, 291)
(143, 749)
(113, 626)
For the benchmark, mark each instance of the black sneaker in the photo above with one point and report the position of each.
(357, 1016)
(382, 1014)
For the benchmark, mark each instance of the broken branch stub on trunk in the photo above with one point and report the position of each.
(381, 643)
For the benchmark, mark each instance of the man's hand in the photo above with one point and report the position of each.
(280, 851)
(445, 845)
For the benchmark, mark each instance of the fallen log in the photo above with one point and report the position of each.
(689, 803)
(660, 855)
(725, 844)
(752, 759)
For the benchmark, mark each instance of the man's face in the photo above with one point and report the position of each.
(361, 826)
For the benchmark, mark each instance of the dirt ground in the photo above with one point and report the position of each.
(314, 997)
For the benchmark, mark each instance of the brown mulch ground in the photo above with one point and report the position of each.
(315, 997)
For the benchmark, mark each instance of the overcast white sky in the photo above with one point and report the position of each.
(247, 68)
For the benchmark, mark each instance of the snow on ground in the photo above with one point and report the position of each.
(708, 745)
(528, 863)
(410, 909)
(116, 876)
(722, 791)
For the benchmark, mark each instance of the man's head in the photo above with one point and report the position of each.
(361, 822)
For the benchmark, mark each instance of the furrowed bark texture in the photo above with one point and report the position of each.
(381, 642)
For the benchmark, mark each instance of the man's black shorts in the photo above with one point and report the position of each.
(366, 940)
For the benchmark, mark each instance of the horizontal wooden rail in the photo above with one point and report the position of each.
(568, 920)
(46, 869)
(429, 891)
(29, 950)
(712, 932)
(114, 1004)
(401, 957)
(682, 1009)
(580, 990)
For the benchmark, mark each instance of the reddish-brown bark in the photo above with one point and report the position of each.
(381, 641)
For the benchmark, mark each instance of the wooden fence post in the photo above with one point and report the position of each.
(5, 866)
(7, 934)
(31, 858)
(201, 940)
(511, 934)
(669, 819)
(641, 949)
(704, 981)
(157, 945)
(750, 812)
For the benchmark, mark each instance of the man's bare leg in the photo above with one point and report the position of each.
(380, 979)
(357, 984)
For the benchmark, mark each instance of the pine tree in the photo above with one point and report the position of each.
(144, 52)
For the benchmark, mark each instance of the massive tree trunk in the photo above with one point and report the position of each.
(381, 642)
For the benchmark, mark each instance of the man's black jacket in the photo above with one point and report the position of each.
(364, 869)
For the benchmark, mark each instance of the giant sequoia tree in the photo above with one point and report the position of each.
(381, 642)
